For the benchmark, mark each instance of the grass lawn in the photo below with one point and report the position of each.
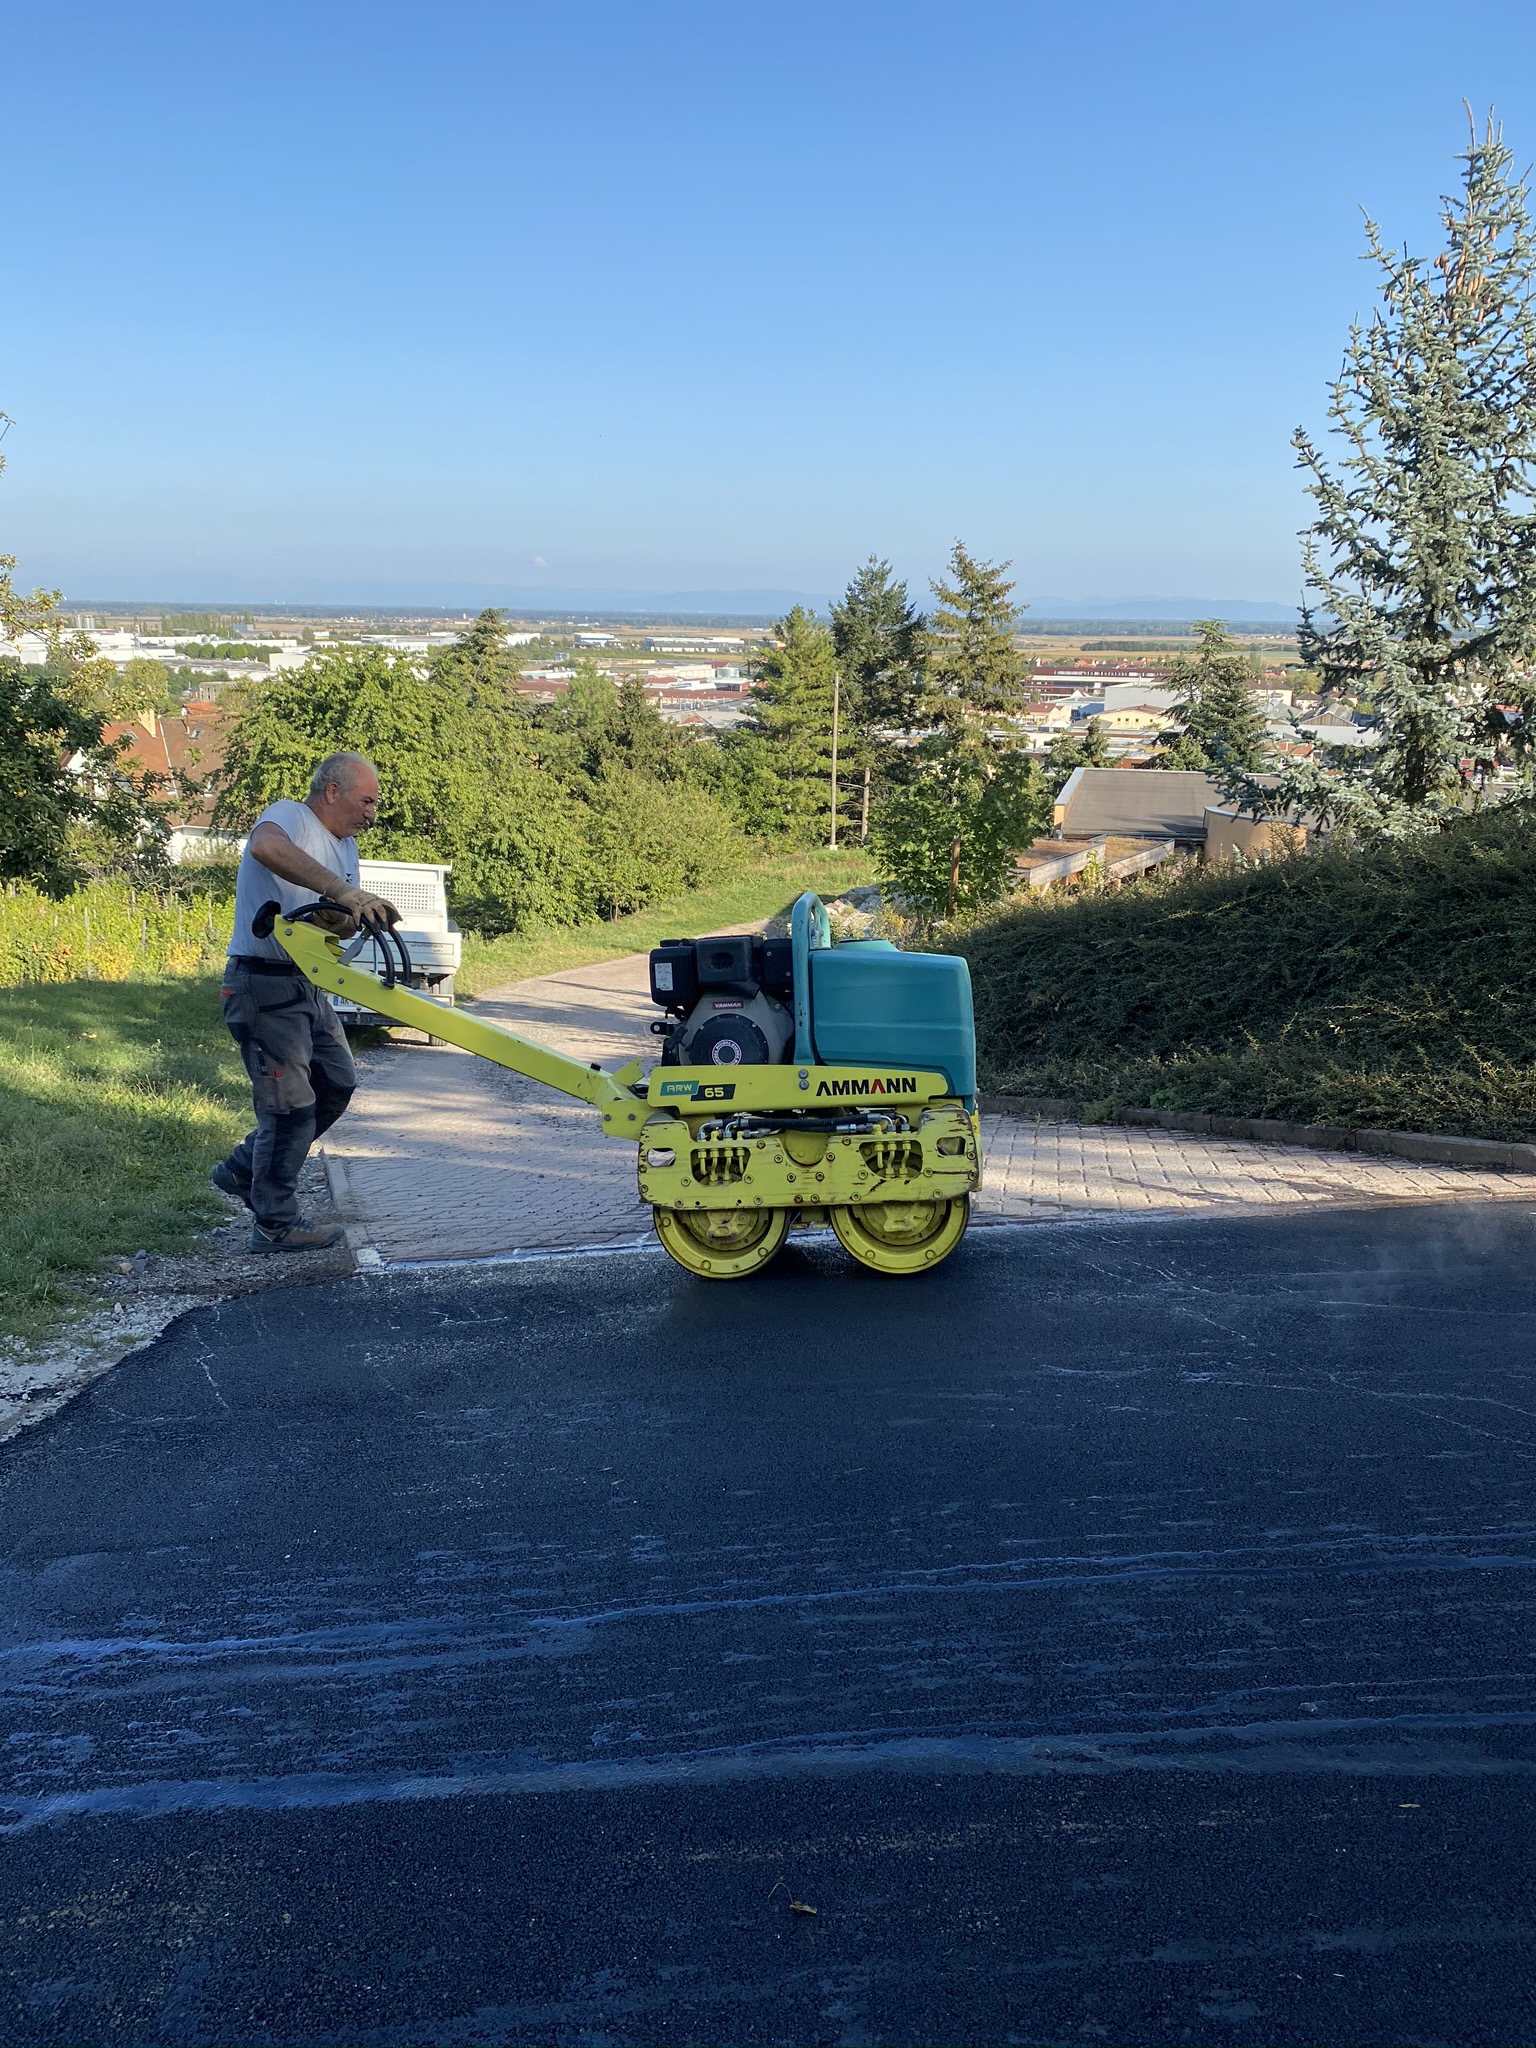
(117, 1096)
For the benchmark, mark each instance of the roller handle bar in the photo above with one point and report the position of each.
(389, 939)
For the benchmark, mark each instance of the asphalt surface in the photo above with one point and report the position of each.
(1122, 1635)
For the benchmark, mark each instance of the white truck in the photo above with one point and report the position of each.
(432, 939)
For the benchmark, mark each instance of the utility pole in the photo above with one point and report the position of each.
(864, 812)
(837, 696)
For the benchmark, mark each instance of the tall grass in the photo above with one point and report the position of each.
(109, 931)
(1391, 987)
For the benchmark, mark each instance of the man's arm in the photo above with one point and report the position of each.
(271, 845)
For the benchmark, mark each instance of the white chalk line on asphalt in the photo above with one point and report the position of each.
(371, 1262)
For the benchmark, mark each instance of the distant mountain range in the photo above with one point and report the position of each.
(755, 604)
(304, 595)
(599, 601)
(1177, 608)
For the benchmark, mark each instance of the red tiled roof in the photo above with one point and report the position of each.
(184, 751)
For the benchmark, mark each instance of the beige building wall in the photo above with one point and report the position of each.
(1230, 832)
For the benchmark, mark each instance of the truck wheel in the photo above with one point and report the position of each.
(902, 1237)
(722, 1244)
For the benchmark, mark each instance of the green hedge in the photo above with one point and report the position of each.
(1389, 987)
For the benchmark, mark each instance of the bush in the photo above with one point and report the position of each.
(1389, 987)
(650, 840)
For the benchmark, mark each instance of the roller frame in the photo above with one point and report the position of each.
(685, 1110)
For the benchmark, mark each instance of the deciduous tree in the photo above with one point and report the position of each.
(70, 806)
(597, 725)
(69, 803)
(458, 778)
(461, 781)
(946, 838)
(146, 685)
(20, 612)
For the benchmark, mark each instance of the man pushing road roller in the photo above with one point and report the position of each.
(295, 1051)
(799, 1084)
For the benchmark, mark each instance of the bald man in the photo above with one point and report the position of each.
(295, 1051)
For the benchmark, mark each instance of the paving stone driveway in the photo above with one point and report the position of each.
(445, 1156)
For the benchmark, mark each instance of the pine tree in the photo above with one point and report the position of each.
(1422, 553)
(879, 637)
(1221, 724)
(973, 665)
(878, 634)
(793, 706)
(1073, 750)
(946, 834)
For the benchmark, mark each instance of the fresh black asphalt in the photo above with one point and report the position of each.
(1123, 1635)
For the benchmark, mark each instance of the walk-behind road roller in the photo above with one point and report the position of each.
(799, 1084)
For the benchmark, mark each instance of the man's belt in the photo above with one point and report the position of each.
(259, 964)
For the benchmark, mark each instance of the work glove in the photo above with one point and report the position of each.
(375, 913)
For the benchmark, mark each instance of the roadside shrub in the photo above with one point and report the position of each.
(1390, 986)
(649, 840)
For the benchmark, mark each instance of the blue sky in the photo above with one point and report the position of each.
(401, 303)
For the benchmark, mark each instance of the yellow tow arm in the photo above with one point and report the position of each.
(318, 954)
(632, 1094)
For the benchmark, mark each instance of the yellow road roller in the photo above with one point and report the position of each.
(799, 1084)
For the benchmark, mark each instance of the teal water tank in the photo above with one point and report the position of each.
(873, 1005)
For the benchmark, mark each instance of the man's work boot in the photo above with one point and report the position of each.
(298, 1237)
(228, 1182)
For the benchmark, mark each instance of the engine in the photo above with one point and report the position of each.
(728, 1001)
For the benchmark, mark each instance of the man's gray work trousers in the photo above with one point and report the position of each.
(302, 1078)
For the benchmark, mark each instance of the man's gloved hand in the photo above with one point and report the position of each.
(364, 908)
